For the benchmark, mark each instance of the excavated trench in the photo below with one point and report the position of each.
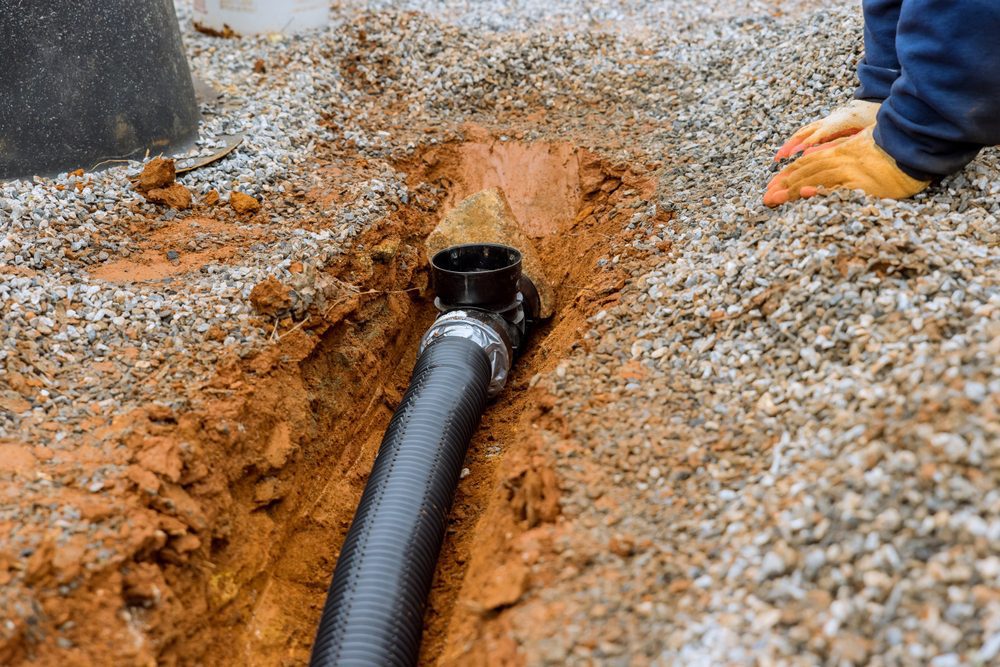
(287, 444)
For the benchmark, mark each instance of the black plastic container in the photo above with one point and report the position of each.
(477, 275)
(89, 81)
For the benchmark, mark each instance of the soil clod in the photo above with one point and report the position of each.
(243, 203)
(157, 173)
(156, 183)
(271, 297)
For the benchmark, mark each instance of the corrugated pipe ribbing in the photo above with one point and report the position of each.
(375, 606)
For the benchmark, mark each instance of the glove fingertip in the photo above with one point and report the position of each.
(775, 198)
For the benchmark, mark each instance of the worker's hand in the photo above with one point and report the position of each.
(842, 122)
(852, 163)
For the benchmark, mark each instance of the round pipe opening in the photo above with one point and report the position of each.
(477, 275)
(476, 258)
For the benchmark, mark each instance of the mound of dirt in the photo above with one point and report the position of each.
(157, 184)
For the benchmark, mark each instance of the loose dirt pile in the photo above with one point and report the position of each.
(747, 435)
(156, 183)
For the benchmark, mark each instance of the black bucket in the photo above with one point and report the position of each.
(89, 81)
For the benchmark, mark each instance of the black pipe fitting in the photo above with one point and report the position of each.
(487, 277)
(478, 275)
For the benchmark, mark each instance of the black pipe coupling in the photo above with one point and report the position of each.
(484, 297)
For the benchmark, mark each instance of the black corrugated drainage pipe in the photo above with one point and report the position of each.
(374, 610)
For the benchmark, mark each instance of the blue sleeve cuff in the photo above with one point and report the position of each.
(876, 82)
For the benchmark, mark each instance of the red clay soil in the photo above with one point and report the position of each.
(236, 509)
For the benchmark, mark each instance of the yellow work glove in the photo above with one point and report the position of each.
(852, 163)
(842, 122)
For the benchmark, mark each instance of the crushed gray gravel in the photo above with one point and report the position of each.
(809, 465)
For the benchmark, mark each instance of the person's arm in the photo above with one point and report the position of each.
(877, 71)
(879, 68)
(945, 106)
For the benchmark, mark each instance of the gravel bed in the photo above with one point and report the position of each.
(798, 460)
(629, 17)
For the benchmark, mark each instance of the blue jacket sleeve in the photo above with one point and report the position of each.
(945, 105)
(879, 68)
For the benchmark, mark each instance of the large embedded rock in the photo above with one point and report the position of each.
(485, 217)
